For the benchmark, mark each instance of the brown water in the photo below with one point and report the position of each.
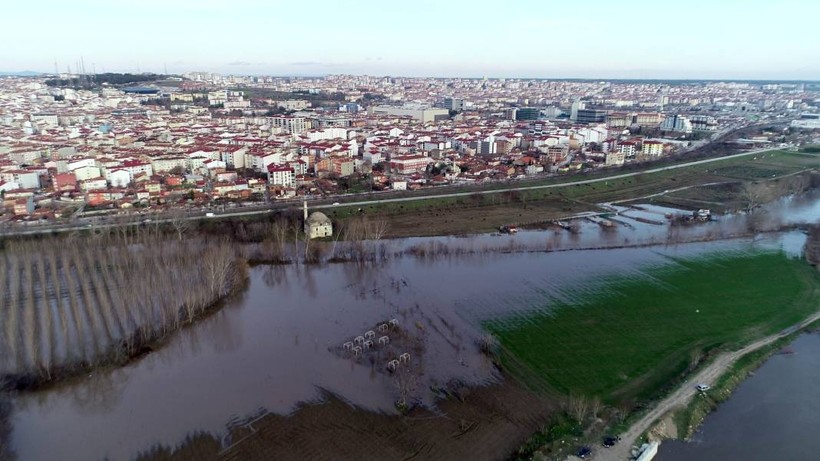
(775, 414)
(276, 346)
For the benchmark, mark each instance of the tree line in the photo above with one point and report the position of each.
(69, 304)
(107, 77)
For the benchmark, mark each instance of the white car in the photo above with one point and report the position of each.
(702, 387)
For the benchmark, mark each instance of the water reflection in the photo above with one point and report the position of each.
(275, 276)
(274, 347)
(772, 415)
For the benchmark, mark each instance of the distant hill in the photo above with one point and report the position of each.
(24, 73)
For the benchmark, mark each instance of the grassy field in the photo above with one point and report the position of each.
(485, 212)
(637, 334)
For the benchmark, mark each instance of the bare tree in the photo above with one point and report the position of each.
(595, 406)
(279, 229)
(377, 228)
(812, 248)
(754, 194)
(179, 220)
(96, 288)
(796, 184)
(578, 407)
(296, 228)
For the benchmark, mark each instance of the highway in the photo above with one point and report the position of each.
(158, 219)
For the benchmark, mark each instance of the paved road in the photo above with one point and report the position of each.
(240, 213)
(552, 186)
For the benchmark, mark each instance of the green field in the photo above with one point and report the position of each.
(485, 212)
(637, 334)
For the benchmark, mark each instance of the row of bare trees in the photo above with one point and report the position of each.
(360, 239)
(753, 194)
(812, 249)
(77, 301)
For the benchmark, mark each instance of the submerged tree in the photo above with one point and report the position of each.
(754, 194)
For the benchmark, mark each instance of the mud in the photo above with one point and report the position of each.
(485, 423)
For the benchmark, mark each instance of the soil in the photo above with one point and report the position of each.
(485, 423)
(455, 220)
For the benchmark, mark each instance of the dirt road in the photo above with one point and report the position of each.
(679, 398)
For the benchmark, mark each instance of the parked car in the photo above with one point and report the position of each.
(610, 441)
(702, 387)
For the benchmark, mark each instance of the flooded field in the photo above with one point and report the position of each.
(283, 342)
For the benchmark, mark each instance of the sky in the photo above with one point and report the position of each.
(720, 39)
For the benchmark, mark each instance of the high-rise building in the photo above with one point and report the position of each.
(704, 123)
(662, 101)
(454, 104)
(590, 116)
(423, 114)
(527, 113)
(678, 123)
(576, 106)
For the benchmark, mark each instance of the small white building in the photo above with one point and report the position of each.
(317, 225)
(93, 184)
(281, 175)
(615, 158)
(87, 172)
(119, 177)
(23, 178)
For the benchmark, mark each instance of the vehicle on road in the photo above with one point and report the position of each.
(702, 387)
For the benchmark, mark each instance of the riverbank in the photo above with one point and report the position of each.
(572, 419)
(729, 368)
(775, 173)
(477, 423)
(689, 418)
(772, 414)
(611, 355)
(309, 307)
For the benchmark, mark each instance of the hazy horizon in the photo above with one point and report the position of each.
(518, 39)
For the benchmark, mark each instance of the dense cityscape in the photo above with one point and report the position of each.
(78, 143)
(241, 230)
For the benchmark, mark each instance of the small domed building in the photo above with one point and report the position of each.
(317, 224)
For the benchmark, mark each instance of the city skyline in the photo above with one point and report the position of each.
(524, 39)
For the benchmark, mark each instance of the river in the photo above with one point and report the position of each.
(277, 345)
(774, 414)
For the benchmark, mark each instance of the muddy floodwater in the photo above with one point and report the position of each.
(775, 414)
(282, 342)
